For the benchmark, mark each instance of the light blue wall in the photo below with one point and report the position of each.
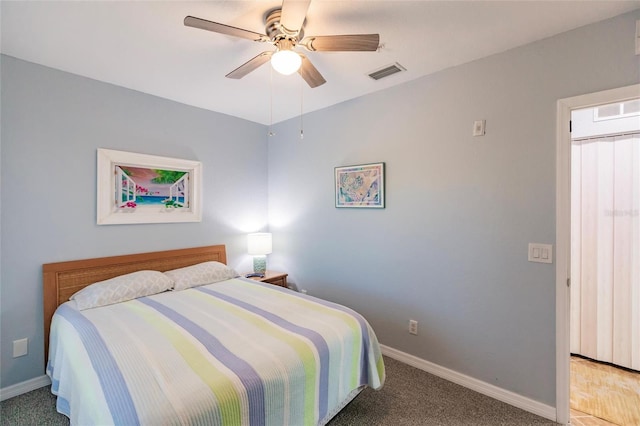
(52, 124)
(450, 248)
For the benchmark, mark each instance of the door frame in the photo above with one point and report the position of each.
(563, 230)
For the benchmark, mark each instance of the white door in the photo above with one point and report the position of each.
(605, 233)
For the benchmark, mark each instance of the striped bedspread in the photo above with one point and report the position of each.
(230, 353)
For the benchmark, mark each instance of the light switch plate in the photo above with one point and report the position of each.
(542, 253)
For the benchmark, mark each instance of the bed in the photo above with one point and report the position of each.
(230, 351)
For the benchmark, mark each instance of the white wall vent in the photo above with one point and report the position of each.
(387, 71)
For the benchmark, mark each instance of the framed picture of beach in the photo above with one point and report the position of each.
(140, 188)
(360, 186)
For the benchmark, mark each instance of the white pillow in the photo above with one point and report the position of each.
(200, 274)
(122, 288)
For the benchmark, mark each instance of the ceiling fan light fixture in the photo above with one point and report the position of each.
(285, 30)
(286, 62)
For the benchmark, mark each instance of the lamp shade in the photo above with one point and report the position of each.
(286, 62)
(259, 244)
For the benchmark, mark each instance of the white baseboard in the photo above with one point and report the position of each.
(479, 386)
(24, 387)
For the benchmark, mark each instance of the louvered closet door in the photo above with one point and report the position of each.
(605, 249)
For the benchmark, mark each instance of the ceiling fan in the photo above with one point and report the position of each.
(284, 28)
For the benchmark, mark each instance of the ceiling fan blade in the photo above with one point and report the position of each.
(293, 14)
(310, 74)
(203, 24)
(342, 43)
(250, 65)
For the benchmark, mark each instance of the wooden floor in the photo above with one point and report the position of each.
(578, 418)
(603, 395)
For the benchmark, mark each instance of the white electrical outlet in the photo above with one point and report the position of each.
(413, 327)
(20, 347)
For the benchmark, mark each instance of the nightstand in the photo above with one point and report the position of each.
(273, 277)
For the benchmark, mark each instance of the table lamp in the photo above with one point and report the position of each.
(259, 246)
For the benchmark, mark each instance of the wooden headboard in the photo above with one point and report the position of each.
(63, 279)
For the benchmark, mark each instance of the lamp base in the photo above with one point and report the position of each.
(259, 264)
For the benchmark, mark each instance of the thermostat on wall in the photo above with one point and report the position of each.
(478, 127)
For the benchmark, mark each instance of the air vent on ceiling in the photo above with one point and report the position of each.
(387, 71)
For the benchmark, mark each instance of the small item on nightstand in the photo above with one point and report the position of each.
(254, 275)
(269, 277)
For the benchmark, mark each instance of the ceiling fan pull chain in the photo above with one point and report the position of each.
(301, 103)
(270, 133)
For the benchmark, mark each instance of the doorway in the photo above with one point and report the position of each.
(563, 232)
(605, 264)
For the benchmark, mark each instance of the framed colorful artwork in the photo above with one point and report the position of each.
(140, 188)
(360, 186)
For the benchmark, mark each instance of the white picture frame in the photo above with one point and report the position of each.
(360, 186)
(139, 188)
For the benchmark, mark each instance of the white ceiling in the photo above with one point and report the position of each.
(143, 45)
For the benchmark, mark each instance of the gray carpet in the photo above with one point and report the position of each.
(409, 397)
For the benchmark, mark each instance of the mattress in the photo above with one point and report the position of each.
(236, 352)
